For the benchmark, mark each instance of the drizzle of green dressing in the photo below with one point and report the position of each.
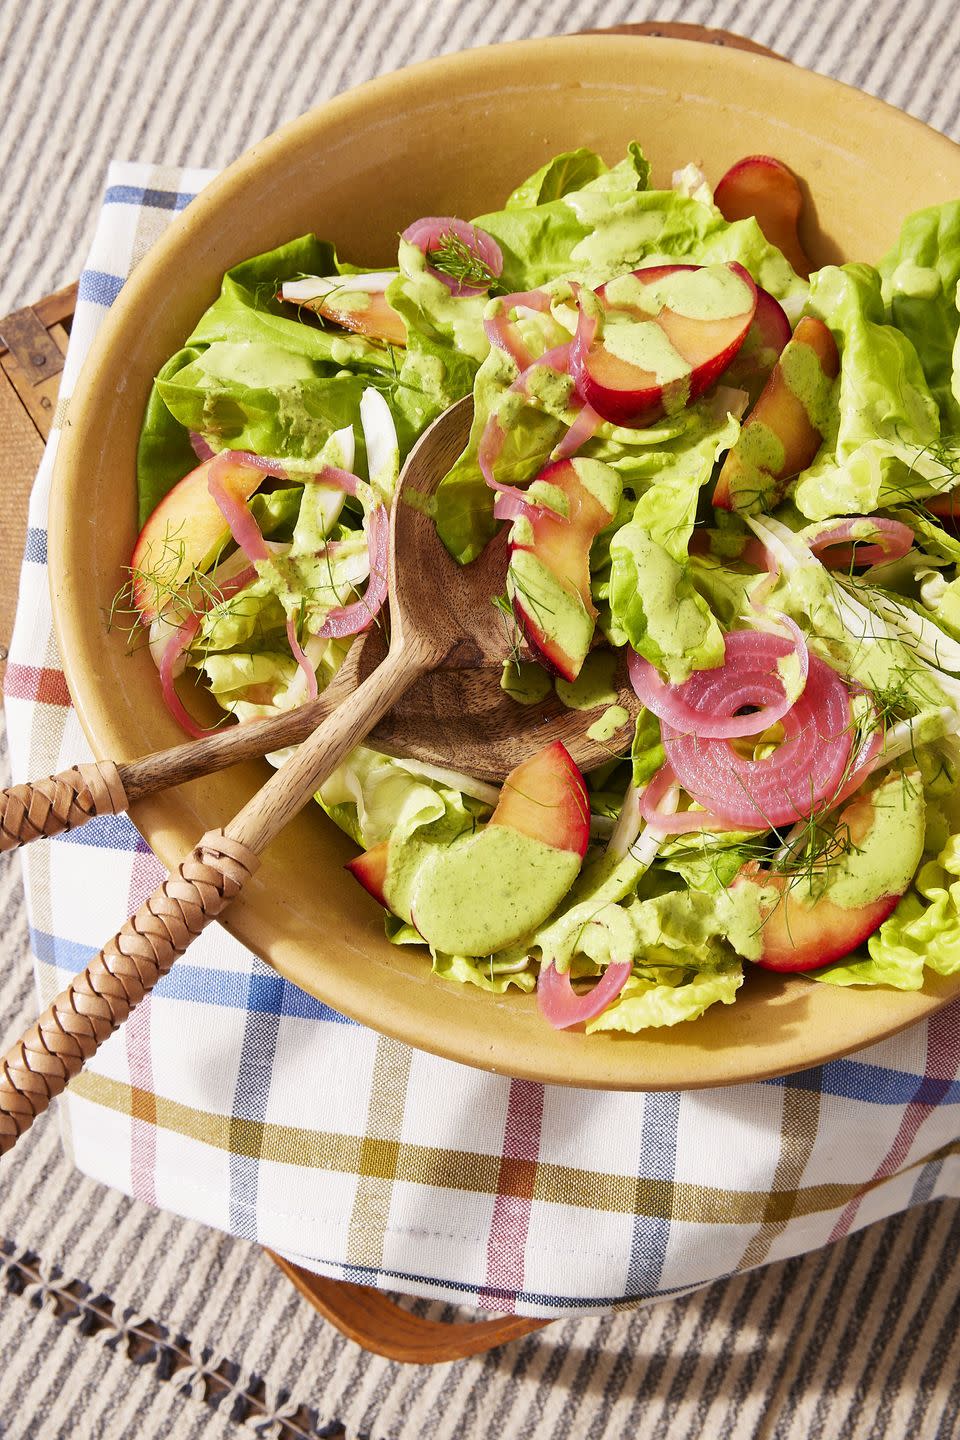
(347, 300)
(555, 608)
(594, 685)
(642, 343)
(609, 723)
(525, 682)
(713, 292)
(489, 889)
(803, 375)
(884, 860)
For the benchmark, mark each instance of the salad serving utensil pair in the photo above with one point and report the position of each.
(454, 714)
(441, 620)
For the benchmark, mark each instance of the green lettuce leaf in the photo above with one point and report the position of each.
(391, 802)
(569, 171)
(613, 224)
(919, 286)
(164, 452)
(482, 973)
(646, 753)
(253, 375)
(881, 442)
(656, 607)
(666, 995)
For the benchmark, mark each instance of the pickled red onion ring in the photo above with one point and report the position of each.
(428, 233)
(181, 640)
(200, 447)
(838, 546)
(243, 527)
(359, 614)
(309, 674)
(502, 332)
(492, 442)
(707, 703)
(583, 429)
(803, 774)
(559, 1003)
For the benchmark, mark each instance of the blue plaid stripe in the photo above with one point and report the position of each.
(250, 1100)
(106, 832)
(99, 288)
(651, 1233)
(873, 1084)
(35, 547)
(264, 991)
(153, 199)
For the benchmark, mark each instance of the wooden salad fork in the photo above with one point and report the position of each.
(453, 713)
(441, 618)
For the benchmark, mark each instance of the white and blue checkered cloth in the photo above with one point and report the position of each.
(232, 1097)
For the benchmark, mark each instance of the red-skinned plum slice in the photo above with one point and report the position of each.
(545, 798)
(766, 338)
(814, 917)
(763, 187)
(784, 430)
(666, 335)
(548, 577)
(370, 869)
(184, 533)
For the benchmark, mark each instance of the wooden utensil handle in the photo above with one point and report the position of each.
(48, 807)
(290, 787)
(70, 1030)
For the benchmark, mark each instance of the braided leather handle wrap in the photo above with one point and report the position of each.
(41, 1065)
(48, 807)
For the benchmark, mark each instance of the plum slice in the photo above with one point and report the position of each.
(184, 533)
(785, 429)
(354, 302)
(764, 188)
(804, 925)
(548, 575)
(370, 869)
(664, 336)
(768, 335)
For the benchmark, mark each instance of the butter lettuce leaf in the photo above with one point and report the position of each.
(656, 607)
(569, 171)
(482, 973)
(919, 281)
(882, 436)
(390, 802)
(667, 995)
(610, 225)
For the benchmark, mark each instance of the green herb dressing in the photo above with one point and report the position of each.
(643, 344)
(525, 682)
(803, 376)
(487, 890)
(556, 608)
(612, 720)
(594, 685)
(714, 292)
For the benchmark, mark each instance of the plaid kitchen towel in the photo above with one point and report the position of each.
(234, 1098)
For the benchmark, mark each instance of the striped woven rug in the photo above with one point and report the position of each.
(116, 1320)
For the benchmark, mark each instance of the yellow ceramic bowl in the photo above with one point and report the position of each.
(454, 136)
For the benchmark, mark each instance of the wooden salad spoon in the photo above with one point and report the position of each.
(441, 617)
(454, 715)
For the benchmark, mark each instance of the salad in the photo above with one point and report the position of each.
(739, 474)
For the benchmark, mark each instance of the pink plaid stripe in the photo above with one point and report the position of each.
(515, 1190)
(37, 683)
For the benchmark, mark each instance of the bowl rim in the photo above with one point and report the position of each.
(410, 1024)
